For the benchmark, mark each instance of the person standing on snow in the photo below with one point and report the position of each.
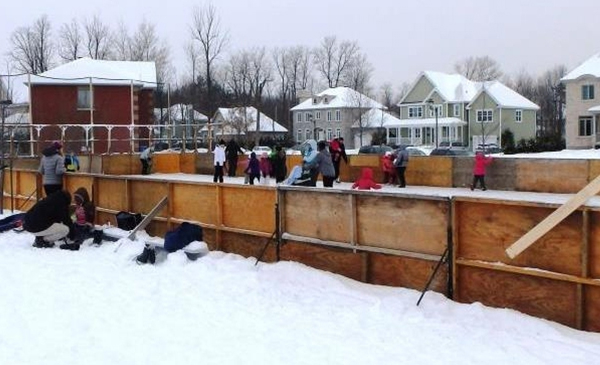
(323, 164)
(231, 152)
(146, 160)
(481, 162)
(401, 162)
(52, 168)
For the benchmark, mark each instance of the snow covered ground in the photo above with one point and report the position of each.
(95, 306)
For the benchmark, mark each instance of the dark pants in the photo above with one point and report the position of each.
(336, 166)
(232, 162)
(145, 166)
(328, 181)
(480, 179)
(401, 180)
(51, 188)
(252, 177)
(218, 173)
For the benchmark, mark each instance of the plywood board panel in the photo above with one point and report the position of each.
(334, 260)
(591, 317)
(486, 230)
(247, 246)
(145, 194)
(593, 169)
(76, 181)
(166, 163)
(25, 182)
(405, 272)
(430, 171)
(317, 215)
(365, 161)
(540, 297)
(594, 245)
(112, 194)
(187, 163)
(552, 175)
(251, 208)
(195, 202)
(121, 164)
(402, 223)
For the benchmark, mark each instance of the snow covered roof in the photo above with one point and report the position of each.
(590, 67)
(338, 97)
(101, 72)
(454, 88)
(504, 96)
(374, 118)
(230, 115)
(179, 112)
(594, 109)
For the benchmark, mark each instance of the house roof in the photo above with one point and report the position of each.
(590, 67)
(102, 72)
(454, 88)
(340, 97)
(504, 96)
(267, 124)
(375, 118)
(179, 112)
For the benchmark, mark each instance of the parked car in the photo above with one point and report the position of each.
(259, 150)
(417, 151)
(450, 151)
(489, 148)
(374, 150)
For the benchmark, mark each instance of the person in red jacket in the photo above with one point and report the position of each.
(389, 171)
(365, 181)
(481, 162)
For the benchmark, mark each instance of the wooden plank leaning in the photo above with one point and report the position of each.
(553, 219)
(147, 219)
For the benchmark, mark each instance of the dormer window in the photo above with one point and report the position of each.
(315, 101)
(326, 100)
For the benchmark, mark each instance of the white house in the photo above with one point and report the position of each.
(241, 122)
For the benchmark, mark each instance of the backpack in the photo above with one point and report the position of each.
(181, 236)
(128, 221)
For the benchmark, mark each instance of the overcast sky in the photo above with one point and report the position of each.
(400, 38)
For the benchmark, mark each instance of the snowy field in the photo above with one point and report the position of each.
(95, 306)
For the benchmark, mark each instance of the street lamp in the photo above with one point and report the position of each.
(435, 110)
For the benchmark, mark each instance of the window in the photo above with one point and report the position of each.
(338, 132)
(457, 110)
(338, 115)
(325, 100)
(486, 115)
(299, 117)
(440, 111)
(329, 134)
(315, 101)
(307, 117)
(418, 133)
(299, 136)
(585, 126)
(587, 92)
(415, 112)
(329, 116)
(518, 116)
(84, 98)
(308, 134)
(317, 115)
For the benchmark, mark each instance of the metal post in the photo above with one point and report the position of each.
(3, 105)
(437, 130)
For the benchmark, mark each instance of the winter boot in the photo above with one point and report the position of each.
(143, 257)
(151, 255)
(98, 237)
(70, 246)
(39, 242)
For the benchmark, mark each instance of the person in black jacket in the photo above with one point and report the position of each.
(231, 153)
(49, 219)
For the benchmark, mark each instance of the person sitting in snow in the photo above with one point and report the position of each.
(83, 227)
(365, 181)
(49, 219)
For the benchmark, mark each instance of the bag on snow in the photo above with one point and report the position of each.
(128, 221)
(181, 236)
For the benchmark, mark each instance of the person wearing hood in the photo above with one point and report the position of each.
(85, 212)
(219, 161)
(323, 164)
(146, 160)
(231, 151)
(49, 219)
(52, 168)
(365, 181)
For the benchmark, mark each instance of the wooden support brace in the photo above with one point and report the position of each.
(553, 219)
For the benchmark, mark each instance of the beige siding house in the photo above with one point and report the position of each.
(583, 104)
(447, 109)
(335, 112)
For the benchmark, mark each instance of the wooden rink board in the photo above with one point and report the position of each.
(551, 176)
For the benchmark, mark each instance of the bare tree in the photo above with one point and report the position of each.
(482, 68)
(551, 99)
(70, 40)
(31, 47)
(281, 61)
(206, 29)
(192, 54)
(260, 71)
(386, 95)
(121, 42)
(145, 45)
(359, 74)
(333, 59)
(299, 69)
(97, 38)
